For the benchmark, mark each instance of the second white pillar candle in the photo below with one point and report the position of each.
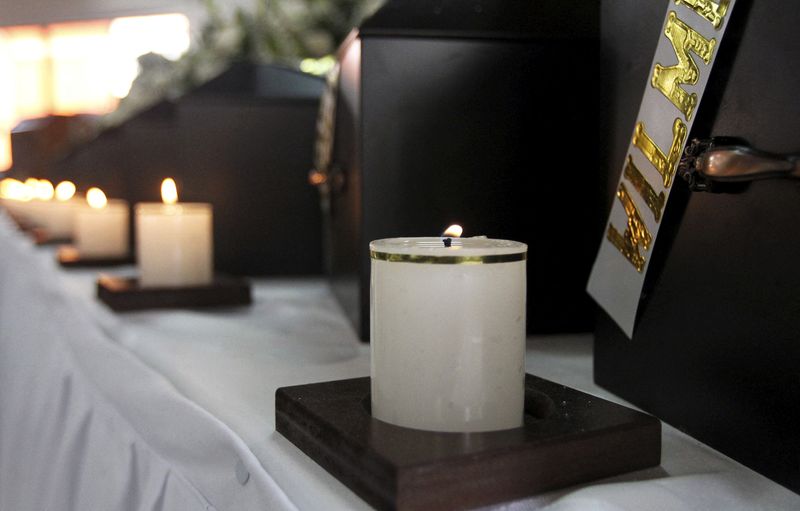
(174, 244)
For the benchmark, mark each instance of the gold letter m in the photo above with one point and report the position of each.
(669, 79)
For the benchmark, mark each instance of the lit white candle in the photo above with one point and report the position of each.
(174, 241)
(15, 196)
(448, 333)
(101, 229)
(51, 209)
(38, 210)
(60, 211)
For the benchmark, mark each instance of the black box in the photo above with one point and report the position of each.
(244, 142)
(716, 349)
(36, 144)
(475, 113)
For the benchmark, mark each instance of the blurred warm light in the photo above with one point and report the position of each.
(165, 34)
(169, 191)
(5, 148)
(65, 190)
(319, 67)
(79, 58)
(27, 67)
(96, 198)
(7, 113)
(16, 190)
(6, 185)
(44, 190)
(454, 231)
(9, 187)
(77, 67)
(129, 38)
(316, 177)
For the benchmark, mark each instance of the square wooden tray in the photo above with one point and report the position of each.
(569, 437)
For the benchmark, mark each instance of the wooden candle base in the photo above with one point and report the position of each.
(125, 294)
(569, 437)
(69, 257)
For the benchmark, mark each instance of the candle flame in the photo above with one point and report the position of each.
(169, 191)
(10, 188)
(454, 231)
(44, 190)
(15, 190)
(65, 191)
(96, 198)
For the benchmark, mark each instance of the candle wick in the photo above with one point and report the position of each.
(447, 242)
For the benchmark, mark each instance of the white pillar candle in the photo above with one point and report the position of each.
(38, 211)
(17, 197)
(58, 219)
(60, 211)
(174, 242)
(101, 228)
(51, 209)
(448, 333)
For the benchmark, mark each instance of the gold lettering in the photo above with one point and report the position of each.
(635, 234)
(712, 11)
(668, 80)
(666, 165)
(654, 201)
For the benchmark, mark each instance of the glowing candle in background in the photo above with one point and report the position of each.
(448, 333)
(101, 230)
(65, 191)
(14, 195)
(174, 241)
(44, 190)
(59, 220)
(52, 209)
(37, 211)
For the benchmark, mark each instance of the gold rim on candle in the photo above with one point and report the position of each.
(429, 259)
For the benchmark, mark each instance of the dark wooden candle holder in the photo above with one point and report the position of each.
(125, 294)
(569, 437)
(68, 256)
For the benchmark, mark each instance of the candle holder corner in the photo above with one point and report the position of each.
(123, 294)
(68, 256)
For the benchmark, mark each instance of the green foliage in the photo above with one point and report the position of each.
(280, 31)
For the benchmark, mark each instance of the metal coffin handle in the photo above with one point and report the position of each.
(731, 160)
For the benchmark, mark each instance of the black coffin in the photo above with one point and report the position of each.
(477, 113)
(36, 144)
(244, 142)
(716, 350)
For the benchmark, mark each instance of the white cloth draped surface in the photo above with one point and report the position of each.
(174, 410)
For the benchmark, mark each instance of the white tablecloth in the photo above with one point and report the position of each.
(174, 410)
